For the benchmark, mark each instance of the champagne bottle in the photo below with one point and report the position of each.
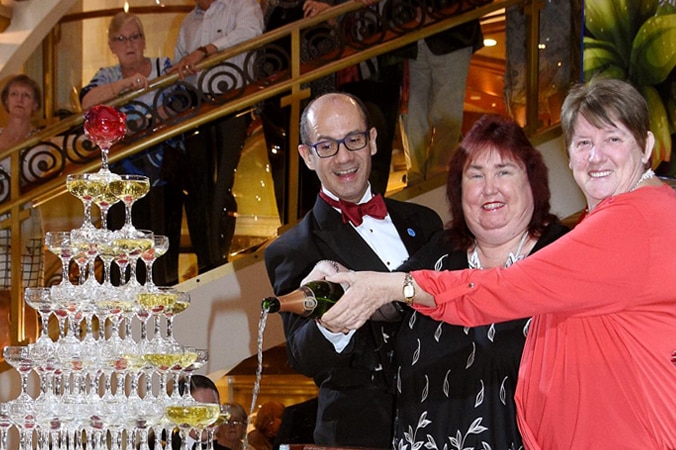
(311, 300)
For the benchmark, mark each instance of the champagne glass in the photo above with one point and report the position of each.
(159, 248)
(192, 415)
(105, 201)
(180, 304)
(201, 357)
(128, 189)
(19, 358)
(163, 357)
(5, 425)
(86, 251)
(104, 125)
(158, 301)
(107, 252)
(138, 242)
(39, 299)
(58, 242)
(87, 188)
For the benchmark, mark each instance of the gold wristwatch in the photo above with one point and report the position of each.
(408, 290)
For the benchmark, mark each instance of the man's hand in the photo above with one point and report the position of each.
(186, 66)
(367, 292)
(321, 270)
(311, 8)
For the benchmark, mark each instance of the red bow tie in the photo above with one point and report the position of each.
(353, 213)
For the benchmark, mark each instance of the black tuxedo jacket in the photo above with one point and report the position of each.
(356, 394)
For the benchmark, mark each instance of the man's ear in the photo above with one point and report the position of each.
(305, 152)
(373, 134)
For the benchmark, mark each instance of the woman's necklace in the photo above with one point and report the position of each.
(475, 263)
(648, 174)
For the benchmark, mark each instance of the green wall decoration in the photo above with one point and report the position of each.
(635, 40)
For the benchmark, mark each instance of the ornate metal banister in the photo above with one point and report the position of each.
(40, 163)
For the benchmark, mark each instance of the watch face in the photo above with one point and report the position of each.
(409, 291)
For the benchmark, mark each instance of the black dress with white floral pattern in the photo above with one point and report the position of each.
(456, 384)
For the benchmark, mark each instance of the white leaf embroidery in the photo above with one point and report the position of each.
(416, 354)
(480, 395)
(466, 330)
(476, 427)
(423, 421)
(425, 390)
(431, 443)
(447, 384)
(437, 332)
(526, 327)
(491, 332)
(411, 321)
(503, 391)
(486, 446)
(399, 379)
(440, 263)
(470, 358)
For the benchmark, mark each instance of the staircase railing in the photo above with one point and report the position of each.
(319, 46)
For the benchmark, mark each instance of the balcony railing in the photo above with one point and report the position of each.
(310, 49)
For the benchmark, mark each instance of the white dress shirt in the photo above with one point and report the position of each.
(382, 236)
(224, 24)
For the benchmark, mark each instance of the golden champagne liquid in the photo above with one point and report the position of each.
(108, 250)
(179, 307)
(152, 300)
(116, 305)
(106, 198)
(132, 245)
(166, 360)
(196, 416)
(85, 189)
(60, 249)
(129, 190)
(188, 359)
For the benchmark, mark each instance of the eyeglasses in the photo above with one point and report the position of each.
(234, 422)
(353, 142)
(122, 39)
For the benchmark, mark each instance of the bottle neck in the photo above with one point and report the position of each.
(301, 301)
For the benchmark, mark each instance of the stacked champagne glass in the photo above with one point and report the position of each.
(107, 381)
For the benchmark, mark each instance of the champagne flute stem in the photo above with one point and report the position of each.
(156, 331)
(149, 273)
(170, 328)
(87, 214)
(104, 217)
(3, 439)
(104, 158)
(65, 272)
(127, 215)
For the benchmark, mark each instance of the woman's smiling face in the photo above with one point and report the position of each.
(497, 199)
(606, 161)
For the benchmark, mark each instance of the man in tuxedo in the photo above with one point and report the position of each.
(355, 371)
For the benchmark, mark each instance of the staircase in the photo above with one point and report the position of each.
(28, 22)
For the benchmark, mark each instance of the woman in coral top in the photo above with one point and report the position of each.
(596, 370)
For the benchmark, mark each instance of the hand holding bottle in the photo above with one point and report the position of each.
(323, 269)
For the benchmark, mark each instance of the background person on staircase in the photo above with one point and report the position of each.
(21, 99)
(161, 209)
(213, 151)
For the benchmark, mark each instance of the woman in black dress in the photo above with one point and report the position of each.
(456, 384)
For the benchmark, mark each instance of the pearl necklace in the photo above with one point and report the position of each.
(648, 174)
(474, 262)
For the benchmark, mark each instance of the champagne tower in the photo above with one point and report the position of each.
(110, 377)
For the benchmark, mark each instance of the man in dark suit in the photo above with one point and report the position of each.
(354, 371)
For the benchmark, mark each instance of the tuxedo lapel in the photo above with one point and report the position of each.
(408, 225)
(342, 240)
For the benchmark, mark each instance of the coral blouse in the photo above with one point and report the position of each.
(596, 369)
